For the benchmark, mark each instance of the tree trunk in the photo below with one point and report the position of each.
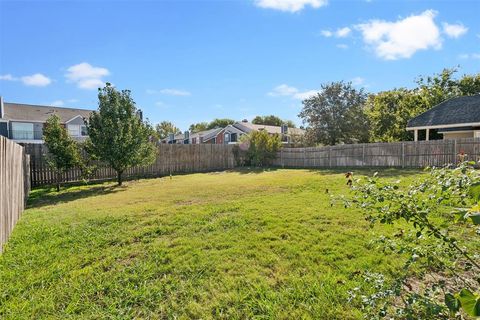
(119, 177)
(58, 181)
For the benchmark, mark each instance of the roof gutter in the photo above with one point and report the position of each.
(441, 126)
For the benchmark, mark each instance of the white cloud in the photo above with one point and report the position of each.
(290, 5)
(305, 95)
(469, 56)
(339, 33)
(283, 90)
(343, 32)
(402, 38)
(454, 30)
(57, 103)
(8, 77)
(286, 90)
(36, 80)
(358, 81)
(175, 92)
(87, 76)
(90, 83)
(326, 33)
(342, 46)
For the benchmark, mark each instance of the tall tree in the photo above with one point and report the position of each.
(220, 123)
(197, 127)
(63, 152)
(272, 120)
(336, 115)
(164, 128)
(389, 111)
(117, 132)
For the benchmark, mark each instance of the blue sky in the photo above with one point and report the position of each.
(191, 61)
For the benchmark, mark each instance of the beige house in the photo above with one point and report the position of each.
(455, 118)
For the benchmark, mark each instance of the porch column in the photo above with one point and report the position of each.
(427, 134)
(415, 135)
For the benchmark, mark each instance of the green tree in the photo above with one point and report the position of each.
(220, 123)
(197, 127)
(262, 148)
(117, 132)
(164, 128)
(389, 111)
(272, 120)
(336, 115)
(63, 152)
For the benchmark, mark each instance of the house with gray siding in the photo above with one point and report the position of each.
(24, 123)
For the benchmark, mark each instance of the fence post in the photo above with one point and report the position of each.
(304, 156)
(363, 155)
(329, 157)
(281, 158)
(455, 151)
(403, 154)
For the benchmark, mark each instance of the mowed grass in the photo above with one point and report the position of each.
(232, 245)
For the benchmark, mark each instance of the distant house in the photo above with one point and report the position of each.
(207, 136)
(24, 123)
(232, 133)
(454, 118)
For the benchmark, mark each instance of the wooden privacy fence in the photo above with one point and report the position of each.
(408, 154)
(171, 158)
(14, 186)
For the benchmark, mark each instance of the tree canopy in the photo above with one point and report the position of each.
(63, 151)
(272, 120)
(389, 111)
(164, 128)
(215, 123)
(336, 115)
(117, 132)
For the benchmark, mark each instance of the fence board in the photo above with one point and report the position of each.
(408, 154)
(14, 186)
(170, 159)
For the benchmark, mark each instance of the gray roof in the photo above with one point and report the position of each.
(248, 126)
(28, 112)
(209, 134)
(461, 110)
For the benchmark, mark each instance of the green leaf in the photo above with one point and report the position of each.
(470, 303)
(452, 303)
(475, 218)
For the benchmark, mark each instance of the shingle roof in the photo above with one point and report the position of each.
(247, 127)
(209, 134)
(453, 111)
(28, 112)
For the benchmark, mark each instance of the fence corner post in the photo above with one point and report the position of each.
(403, 155)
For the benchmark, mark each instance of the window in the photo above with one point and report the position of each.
(22, 131)
(227, 137)
(77, 130)
(233, 137)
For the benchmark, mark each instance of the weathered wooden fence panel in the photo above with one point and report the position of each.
(171, 158)
(14, 186)
(407, 154)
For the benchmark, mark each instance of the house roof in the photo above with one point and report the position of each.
(28, 112)
(460, 110)
(209, 134)
(248, 126)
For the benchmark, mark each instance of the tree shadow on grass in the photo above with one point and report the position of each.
(49, 196)
(253, 170)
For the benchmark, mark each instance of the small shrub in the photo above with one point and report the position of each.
(262, 148)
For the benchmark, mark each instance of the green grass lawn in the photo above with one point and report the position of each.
(231, 245)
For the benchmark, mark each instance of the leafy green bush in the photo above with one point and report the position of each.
(262, 148)
(440, 276)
